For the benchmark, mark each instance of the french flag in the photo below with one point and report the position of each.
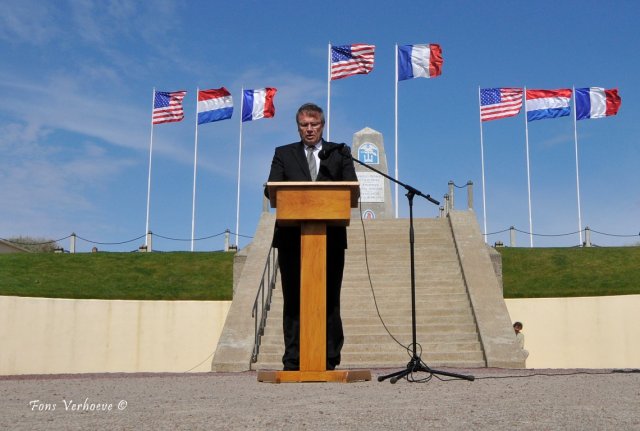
(419, 61)
(258, 104)
(596, 102)
(541, 104)
(214, 105)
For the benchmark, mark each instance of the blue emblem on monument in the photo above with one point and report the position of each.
(368, 153)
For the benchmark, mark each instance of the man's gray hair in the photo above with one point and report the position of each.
(310, 108)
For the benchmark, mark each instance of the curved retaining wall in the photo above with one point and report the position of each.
(52, 336)
(56, 336)
(591, 332)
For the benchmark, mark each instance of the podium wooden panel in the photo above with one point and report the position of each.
(313, 206)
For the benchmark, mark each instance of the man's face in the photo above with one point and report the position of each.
(310, 127)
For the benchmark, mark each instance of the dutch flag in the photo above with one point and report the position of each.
(214, 105)
(541, 104)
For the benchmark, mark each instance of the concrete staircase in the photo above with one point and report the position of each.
(446, 329)
(462, 320)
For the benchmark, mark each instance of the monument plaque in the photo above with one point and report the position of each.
(375, 190)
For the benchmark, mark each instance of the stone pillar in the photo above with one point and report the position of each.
(470, 195)
(72, 243)
(587, 237)
(375, 190)
(512, 236)
(226, 240)
(451, 202)
(149, 241)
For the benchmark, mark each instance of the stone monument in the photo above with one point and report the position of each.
(375, 190)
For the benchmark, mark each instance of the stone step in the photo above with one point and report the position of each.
(398, 288)
(276, 339)
(391, 366)
(397, 244)
(440, 314)
(428, 322)
(386, 348)
(396, 308)
(381, 270)
(360, 296)
(388, 243)
(400, 282)
(400, 267)
(423, 330)
(385, 254)
(400, 231)
(403, 288)
(388, 359)
(388, 311)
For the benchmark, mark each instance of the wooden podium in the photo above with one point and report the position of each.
(313, 206)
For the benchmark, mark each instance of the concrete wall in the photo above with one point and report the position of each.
(595, 332)
(44, 336)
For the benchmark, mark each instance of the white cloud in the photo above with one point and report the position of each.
(46, 182)
(25, 22)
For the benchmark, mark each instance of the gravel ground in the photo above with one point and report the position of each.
(498, 399)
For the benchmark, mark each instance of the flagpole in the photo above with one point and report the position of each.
(153, 98)
(575, 135)
(484, 202)
(329, 93)
(195, 168)
(396, 131)
(239, 165)
(526, 129)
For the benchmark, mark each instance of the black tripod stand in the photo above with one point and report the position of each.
(415, 364)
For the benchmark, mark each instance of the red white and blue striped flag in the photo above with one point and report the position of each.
(541, 104)
(214, 105)
(167, 106)
(257, 104)
(419, 61)
(497, 103)
(349, 60)
(596, 102)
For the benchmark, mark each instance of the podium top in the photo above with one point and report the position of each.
(352, 186)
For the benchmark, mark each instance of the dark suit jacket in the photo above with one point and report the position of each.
(290, 164)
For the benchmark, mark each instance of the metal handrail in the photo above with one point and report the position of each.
(262, 303)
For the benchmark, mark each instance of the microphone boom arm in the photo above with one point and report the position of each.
(407, 187)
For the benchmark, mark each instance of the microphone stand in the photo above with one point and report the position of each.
(415, 364)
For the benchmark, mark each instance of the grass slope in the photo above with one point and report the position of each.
(570, 272)
(166, 276)
(527, 273)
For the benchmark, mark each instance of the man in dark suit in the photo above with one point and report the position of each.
(299, 162)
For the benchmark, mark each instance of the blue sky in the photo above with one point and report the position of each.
(77, 79)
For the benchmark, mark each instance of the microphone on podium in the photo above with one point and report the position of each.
(341, 148)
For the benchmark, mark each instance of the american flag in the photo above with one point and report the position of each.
(496, 103)
(167, 106)
(348, 60)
